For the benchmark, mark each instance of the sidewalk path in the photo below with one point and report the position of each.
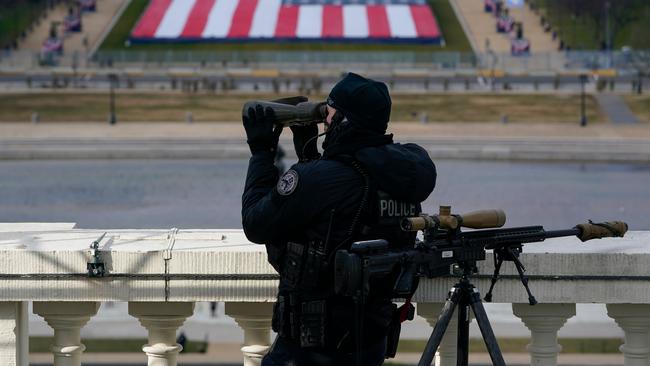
(616, 109)
(402, 131)
(94, 24)
(540, 41)
(596, 142)
(482, 26)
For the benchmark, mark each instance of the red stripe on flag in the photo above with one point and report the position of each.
(151, 19)
(377, 21)
(332, 21)
(197, 19)
(242, 19)
(425, 23)
(287, 21)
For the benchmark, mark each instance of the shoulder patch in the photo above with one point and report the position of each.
(288, 183)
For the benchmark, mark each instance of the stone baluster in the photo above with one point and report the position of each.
(544, 321)
(67, 319)
(14, 333)
(162, 320)
(446, 354)
(255, 320)
(634, 319)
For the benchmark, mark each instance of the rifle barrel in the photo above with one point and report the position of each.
(561, 233)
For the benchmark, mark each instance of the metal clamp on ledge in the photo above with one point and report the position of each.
(95, 265)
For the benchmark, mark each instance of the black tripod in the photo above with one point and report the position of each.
(465, 295)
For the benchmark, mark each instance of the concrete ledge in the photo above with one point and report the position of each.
(221, 265)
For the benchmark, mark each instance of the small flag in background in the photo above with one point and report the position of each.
(515, 3)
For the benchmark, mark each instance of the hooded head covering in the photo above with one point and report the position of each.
(362, 101)
(365, 104)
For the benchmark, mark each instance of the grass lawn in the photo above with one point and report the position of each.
(582, 33)
(452, 32)
(640, 105)
(16, 16)
(120, 32)
(159, 107)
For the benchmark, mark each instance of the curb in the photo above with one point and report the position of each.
(602, 151)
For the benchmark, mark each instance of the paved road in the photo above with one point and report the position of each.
(206, 193)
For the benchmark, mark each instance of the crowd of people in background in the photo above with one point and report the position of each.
(548, 28)
(506, 24)
(72, 23)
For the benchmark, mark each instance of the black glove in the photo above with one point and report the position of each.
(305, 141)
(260, 131)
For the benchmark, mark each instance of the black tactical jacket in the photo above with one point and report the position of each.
(319, 199)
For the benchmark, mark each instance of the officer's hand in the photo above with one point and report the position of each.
(305, 141)
(260, 132)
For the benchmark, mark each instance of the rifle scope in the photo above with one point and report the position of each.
(482, 219)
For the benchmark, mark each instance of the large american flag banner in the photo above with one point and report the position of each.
(254, 20)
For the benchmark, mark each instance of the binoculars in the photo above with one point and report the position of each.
(298, 114)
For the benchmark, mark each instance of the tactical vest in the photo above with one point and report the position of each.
(307, 311)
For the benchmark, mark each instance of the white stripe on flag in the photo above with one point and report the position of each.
(265, 18)
(174, 20)
(220, 19)
(400, 21)
(310, 21)
(355, 21)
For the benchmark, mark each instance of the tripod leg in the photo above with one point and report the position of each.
(441, 325)
(462, 352)
(486, 329)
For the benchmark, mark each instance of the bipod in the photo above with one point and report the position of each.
(509, 254)
(464, 295)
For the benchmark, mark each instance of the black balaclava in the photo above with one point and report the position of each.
(363, 107)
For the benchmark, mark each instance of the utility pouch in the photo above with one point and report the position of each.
(312, 323)
(294, 316)
(394, 330)
(293, 264)
(315, 265)
(278, 323)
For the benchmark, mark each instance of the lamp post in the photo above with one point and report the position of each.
(583, 106)
(639, 86)
(608, 35)
(112, 117)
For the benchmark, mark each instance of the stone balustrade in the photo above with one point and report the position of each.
(162, 273)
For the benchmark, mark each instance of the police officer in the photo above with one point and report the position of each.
(357, 190)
